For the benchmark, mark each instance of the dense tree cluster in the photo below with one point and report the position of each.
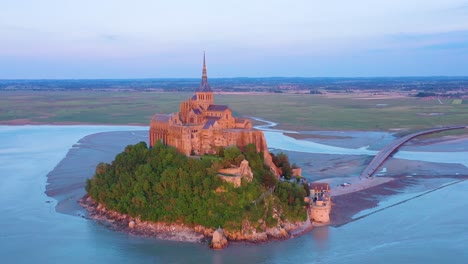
(160, 184)
(281, 161)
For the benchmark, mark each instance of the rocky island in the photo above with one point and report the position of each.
(162, 193)
(206, 175)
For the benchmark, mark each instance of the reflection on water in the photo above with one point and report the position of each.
(320, 237)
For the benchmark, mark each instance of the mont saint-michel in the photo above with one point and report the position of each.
(206, 175)
(209, 176)
(202, 127)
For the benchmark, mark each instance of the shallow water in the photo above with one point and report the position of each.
(429, 229)
(457, 157)
(372, 140)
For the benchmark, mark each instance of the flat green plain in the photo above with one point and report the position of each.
(291, 111)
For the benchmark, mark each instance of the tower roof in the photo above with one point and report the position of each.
(204, 86)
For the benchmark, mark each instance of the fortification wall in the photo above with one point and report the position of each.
(320, 214)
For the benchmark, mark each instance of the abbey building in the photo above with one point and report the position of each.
(202, 127)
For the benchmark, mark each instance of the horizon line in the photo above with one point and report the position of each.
(239, 77)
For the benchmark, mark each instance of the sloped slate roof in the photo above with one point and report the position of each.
(161, 118)
(197, 111)
(319, 185)
(217, 108)
(210, 121)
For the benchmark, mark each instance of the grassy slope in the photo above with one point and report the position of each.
(291, 111)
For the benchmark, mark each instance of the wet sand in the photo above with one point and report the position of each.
(67, 180)
(345, 185)
(347, 205)
(445, 143)
(371, 140)
(322, 166)
(395, 176)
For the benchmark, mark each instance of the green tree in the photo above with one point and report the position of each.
(160, 184)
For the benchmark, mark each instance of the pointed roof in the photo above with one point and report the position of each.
(204, 86)
(210, 121)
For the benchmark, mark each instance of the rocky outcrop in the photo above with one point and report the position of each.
(133, 225)
(180, 232)
(257, 138)
(245, 171)
(261, 234)
(218, 240)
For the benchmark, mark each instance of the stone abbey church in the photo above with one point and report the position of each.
(201, 127)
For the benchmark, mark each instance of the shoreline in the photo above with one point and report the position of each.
(435, 139)
(26, 122)
(120, 222)
(183, 233)
(356, 184)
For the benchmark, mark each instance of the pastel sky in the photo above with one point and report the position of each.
(253, 38)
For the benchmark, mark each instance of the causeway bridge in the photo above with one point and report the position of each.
(391, 148)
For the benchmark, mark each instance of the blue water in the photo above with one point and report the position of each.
(430, 229)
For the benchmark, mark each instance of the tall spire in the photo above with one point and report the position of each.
(204, 86)
(204, 74)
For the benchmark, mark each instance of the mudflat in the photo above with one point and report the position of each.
(67, 180)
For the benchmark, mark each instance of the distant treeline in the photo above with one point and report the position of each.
(271, 84)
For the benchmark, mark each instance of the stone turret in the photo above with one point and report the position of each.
(218, 241)
(320, 205)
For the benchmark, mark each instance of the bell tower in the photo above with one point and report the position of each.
(204, 93)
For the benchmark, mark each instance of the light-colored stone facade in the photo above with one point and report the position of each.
(202, 127)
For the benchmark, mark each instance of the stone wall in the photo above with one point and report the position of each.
(243, 171)
(321, 212)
